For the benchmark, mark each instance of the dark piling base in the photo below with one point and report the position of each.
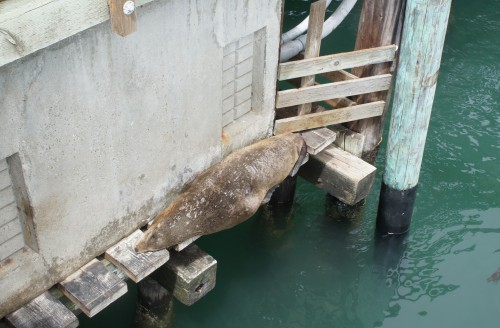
(395, 210)
(285, 192)
(154, 305)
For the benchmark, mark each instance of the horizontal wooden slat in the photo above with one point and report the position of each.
(333, 90)
(11, 246)
(329, 117)
(8, 213)
(6, 196)
(9, 230)
(335, 62)
(31, 23)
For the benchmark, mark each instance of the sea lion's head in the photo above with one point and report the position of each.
(153, 239)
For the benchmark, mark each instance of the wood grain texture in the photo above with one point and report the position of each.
(418, 69)
(332, 90)
(185, 243)
(136, 266)
(45, 311)
(348, 140)
(191, 274)
(318, 139)
(329, 117)
(121, 24)
(341, 174)
(31, 23)
(335, 62)
(313, 45)
(340, 75)
(93, 288)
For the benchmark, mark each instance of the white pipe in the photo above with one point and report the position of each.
(294, 47)
(299, 29)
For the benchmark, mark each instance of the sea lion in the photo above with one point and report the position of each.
(227, 193)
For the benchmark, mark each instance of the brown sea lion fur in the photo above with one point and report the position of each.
(225, 194)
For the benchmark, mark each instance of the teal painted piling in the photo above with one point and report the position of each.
(418, 68)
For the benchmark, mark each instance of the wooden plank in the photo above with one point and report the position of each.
(313, 45)
(123, 17)
(31, 23)
(185, 243)
(340, 75)
(190, 274)
(318, 139)
(322, 92)
(335, 62)
(45, 311)
(329, 117)
(136, 266)
(340, 173)
(348, 140)
(93, 287)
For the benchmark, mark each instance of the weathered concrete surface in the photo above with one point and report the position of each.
(109, 128)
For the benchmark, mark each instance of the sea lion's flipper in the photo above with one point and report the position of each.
(300, 160)
(269, 194)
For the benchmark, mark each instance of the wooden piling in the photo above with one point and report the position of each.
(380, 24)
(419, 61)
(154, 305)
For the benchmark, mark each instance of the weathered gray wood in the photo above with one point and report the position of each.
(318, 139)
(321, 92)
(348, 140)
(31, 23)
(11, 246)
(335, 62)
(93, 288)
(121, 24)
(45, 311)
(340, 75)
(329, 117)
(8, 213)
(380, 24)
(136, 266)
(154, 305)
(335, 103)
(313, 45)
(190, 274)
(341, 174)
(10, 229)
(185, 243)
(6, 196)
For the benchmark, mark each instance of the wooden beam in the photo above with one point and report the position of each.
(136, 266)
(123, 17)
(318, 139)
(45, 311)
(36, 24)
(313, 45)
(190, 274)
(340, 75)
(332, 90)
(336, 102)
(348, 140)
(93, 287)
(335, 62)
(340, 173)
(329, 117)
(186, 243)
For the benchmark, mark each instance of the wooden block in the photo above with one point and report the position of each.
(136, 266)
(335, 62)
(340, 173)
(348, 140)
(190, 274)
(329, 117)
(327, 91)
(45, 311)
(185, 243)
(318, 139)
(93, 287)
(123, 19)
(313, 45)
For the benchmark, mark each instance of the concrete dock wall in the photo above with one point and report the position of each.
(99, 132)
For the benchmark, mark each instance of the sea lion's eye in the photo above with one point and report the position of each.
(153, 236)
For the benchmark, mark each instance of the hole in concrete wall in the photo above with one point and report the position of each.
(16, 214)
(242, 76)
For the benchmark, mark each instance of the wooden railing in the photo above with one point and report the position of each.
(343, 84)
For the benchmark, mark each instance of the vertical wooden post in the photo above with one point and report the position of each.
(419, 61)
(154, 305)
(313, 45)
(380, 24)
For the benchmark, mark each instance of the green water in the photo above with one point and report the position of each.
(318, 268)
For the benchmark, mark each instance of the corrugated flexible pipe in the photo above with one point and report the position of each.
(294, 47)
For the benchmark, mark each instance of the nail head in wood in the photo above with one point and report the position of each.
(123, 16)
